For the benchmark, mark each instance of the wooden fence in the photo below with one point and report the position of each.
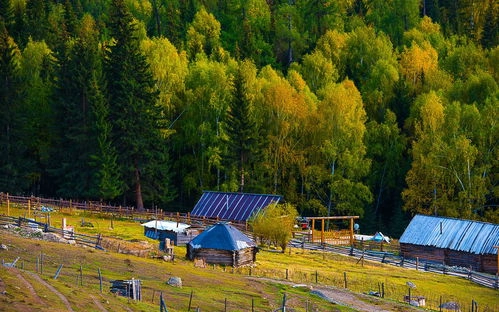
(83, 239)
(393, 258)
(32, 203)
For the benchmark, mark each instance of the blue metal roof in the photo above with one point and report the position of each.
(222, 236)
(455, 234)
(232, 206)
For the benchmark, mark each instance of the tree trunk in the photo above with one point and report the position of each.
(138, 191)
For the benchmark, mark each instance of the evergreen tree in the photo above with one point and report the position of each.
(18, 29)
(7, 13)
(242, 130)
(12, 151)
(106, 175)
(136, 117)
(36, 16)
(84, 165)
(490, 37)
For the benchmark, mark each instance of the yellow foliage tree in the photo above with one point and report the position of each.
(274, 224)
(417, 62)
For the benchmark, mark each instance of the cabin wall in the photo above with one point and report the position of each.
(222, 257)
(480, 263)
(178, 238)
(489, 263)
(422, 252)
(245, 256)
(463, 259)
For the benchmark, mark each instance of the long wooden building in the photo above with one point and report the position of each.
(452, 242)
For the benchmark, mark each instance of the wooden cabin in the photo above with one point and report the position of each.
(453, 242)
(223, 244)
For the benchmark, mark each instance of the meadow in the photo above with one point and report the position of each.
(262, 287)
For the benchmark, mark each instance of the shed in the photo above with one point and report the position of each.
(232, 206)
(176, 232)
(223, 244)
(453, 242)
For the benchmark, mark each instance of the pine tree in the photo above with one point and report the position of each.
(135, 115)
(36, 25)
(78, 67)
(106, 175)
(11, 149)
(490, 27)
(7, 13)
(242, 130)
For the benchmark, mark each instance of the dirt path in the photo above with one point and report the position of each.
(51, 288)
(343, 297)
(98, 304)
(28, 286)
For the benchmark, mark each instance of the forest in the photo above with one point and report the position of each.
(377, 108)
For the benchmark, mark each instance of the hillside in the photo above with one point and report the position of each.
(381, 109)
(33, 284)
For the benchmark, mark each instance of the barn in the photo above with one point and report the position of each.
(454, 242)
(228, 206)
(223, 244)
(176, 232)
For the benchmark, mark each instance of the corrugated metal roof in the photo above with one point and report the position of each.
(455, 234)
(222, 236)
(232, 206)
(165, 225)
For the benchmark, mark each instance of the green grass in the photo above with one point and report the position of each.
(213, 285)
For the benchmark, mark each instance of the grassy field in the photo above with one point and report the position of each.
(213, 288)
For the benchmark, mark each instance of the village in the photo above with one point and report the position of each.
(218, 234)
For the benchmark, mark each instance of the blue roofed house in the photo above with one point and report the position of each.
(232, 206)
(454, 242)
(223, 244)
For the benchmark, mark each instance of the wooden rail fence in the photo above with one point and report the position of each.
(32, 203)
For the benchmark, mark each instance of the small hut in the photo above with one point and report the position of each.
(176, 232)
(223, 244)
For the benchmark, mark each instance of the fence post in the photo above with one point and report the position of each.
(81, 276)
(100, 279)
(162, 304)
(345, 279)
(58, 271)
(283, 303)
(190, 301)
